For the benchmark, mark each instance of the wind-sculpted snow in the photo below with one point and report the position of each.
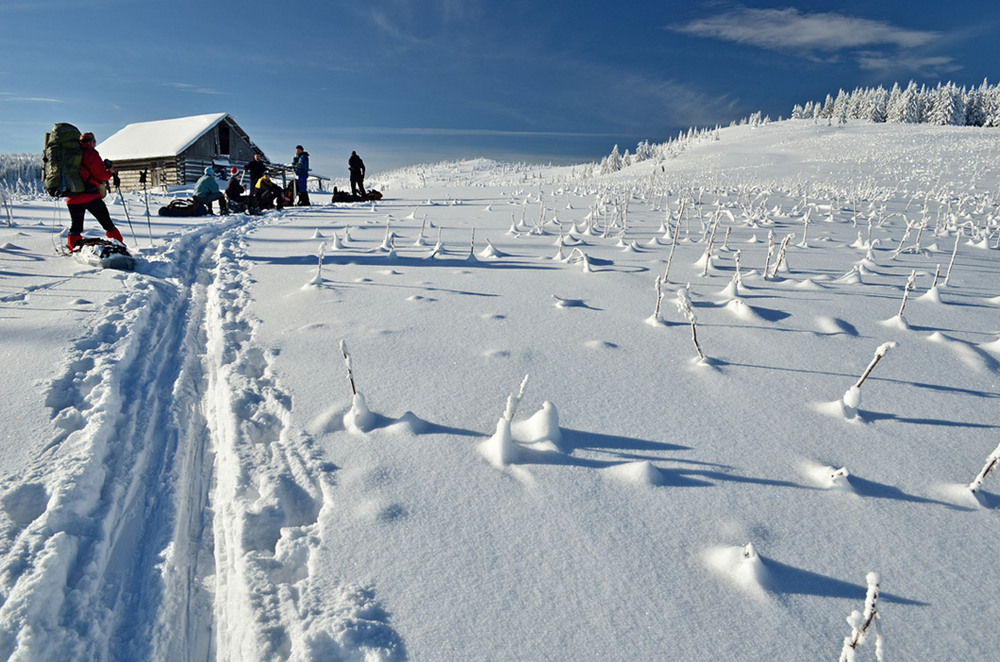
(679, 410)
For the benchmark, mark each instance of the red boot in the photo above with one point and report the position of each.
(72, 241)
(116, 235)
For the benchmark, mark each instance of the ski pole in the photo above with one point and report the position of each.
(121, 198)
(6, 207)
(145, 193)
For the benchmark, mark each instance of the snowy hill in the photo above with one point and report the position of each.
(308, 435)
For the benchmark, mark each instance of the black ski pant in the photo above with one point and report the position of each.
(358, 184)
(98, 210)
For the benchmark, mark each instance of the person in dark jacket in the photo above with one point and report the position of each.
(357, 168)
(256, 169)
(301, 164)
(235, 191)
(95, 174)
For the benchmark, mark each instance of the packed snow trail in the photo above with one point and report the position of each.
(173, 515)
(271, 487)
(80, 578)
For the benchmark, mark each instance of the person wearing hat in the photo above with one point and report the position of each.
(235, 190)
(95, 174)
(206, 191)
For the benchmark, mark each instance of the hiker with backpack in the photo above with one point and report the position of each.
(301, 164)
(95, 173)
(206, 191)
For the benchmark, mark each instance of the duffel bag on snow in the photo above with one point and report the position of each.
(184, 207)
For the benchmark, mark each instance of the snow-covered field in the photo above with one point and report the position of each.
(187, 474)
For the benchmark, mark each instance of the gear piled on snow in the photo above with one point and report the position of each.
(61, 160)
(104, 253)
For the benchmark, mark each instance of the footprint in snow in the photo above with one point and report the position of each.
(25, 503)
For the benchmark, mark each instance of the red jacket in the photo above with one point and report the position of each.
(93, 173)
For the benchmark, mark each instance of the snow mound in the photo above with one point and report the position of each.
(992, 347)
(932, 295)
(743, 311)
(636, 473)
(970, 355)
(833, 326)
(740, 565)
(827, 477)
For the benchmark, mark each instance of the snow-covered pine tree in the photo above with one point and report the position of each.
(878, 105)
(612, 162)
(946, 106)
(974, 115)
(827, 111)
(894, 107)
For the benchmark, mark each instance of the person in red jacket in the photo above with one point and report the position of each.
(95, 175)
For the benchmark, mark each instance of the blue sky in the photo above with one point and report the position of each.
(408, 81)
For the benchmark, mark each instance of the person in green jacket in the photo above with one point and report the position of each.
(206, 191)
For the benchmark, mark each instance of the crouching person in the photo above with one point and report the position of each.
(268, 193)
(206, 191)
(235, 192)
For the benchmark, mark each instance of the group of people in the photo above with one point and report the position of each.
(262, 192)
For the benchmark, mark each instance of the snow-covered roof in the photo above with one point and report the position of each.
(161, 138)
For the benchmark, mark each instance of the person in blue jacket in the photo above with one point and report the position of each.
(301, 164)
(206, 191)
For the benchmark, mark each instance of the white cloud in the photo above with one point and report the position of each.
(790, 29)
(37, 100)
(187, 87)
(915, 64)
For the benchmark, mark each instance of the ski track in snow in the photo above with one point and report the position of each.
(173, 514)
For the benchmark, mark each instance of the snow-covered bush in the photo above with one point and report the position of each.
(991, 462)
(862, 622)
(852, 397)
(359, 417)
(684, 307)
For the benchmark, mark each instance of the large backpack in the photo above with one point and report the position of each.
(61, 161)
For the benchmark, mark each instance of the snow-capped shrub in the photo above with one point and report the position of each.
(851, 400)
(684, 307)
(359, 417)
(991, 462)
(862, 622)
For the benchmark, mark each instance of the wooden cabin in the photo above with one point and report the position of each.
(176, 152)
